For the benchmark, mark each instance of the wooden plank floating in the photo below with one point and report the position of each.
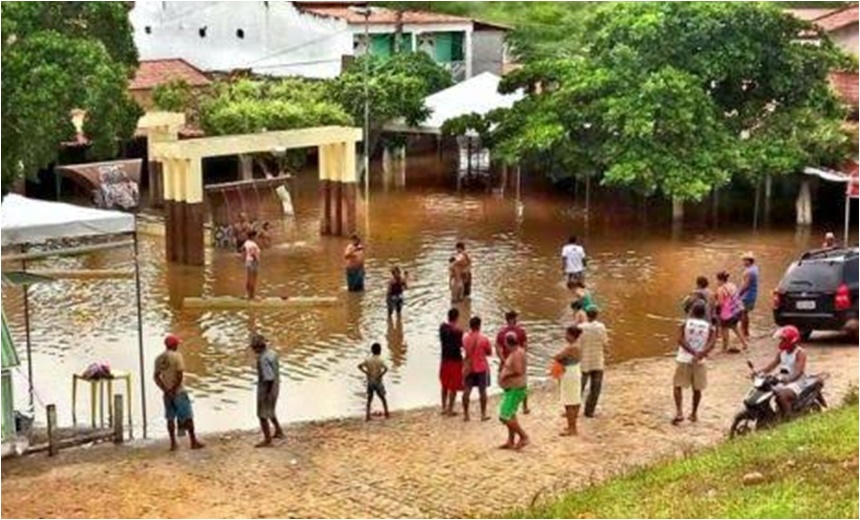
(232, 302)
(85, 274)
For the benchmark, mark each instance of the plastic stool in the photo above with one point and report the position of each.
(97, 387)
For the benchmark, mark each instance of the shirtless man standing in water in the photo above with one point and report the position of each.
(463, 263)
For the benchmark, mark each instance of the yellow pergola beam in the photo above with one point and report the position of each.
(255, 143)
(149, 120)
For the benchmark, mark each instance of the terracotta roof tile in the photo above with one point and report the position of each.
(837, 19)
(846, 86)
(152, 73)
(379, 15)
(809, 14)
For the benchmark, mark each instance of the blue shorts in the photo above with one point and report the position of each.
(178, 407)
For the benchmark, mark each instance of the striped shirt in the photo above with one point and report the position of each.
(592, 343)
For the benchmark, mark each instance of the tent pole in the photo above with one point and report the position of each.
(27, 330)
(139, 329)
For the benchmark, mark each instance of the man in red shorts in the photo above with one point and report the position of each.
(520, 333)
(451, 368)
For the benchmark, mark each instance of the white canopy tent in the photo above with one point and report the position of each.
(478, 94)
(849, 178)
(26, 222)
(30, 221)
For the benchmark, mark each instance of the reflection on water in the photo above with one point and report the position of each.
(638, 277)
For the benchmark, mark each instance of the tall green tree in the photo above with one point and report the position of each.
(394, 86)
(676, 97)
(59, 56)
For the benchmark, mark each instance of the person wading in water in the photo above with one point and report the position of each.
(354, 259)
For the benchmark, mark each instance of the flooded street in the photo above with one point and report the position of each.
(638, 276)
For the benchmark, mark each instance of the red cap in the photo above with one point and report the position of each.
(788, 337)
(172, 341)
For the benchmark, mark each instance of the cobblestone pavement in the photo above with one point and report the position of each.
(417, 464)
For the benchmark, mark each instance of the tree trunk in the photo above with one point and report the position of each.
(768, 193)
(677, 210)
(803, 205)
(757, 203)
(398, 30)
(715, 206)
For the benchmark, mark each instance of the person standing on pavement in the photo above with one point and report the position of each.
(268, 387)
(701, 293)
(573, 260)
(696, 339)
(354, 259)
(475, 367)
(169, 374)
(374, 368)
(570, 383)
(729, 311)
(749, 290)
(451, 365)
(511, 326)
(592, 344)
(512, 379)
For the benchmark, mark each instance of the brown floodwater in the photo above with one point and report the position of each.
(638, 274)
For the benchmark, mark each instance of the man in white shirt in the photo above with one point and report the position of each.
(573, 260)
(696, 338)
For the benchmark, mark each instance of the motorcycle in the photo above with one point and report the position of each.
(760, 408)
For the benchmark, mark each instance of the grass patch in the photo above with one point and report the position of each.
(809, 468)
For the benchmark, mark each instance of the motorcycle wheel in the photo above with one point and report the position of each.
(742, 424)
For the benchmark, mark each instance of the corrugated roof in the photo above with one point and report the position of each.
(152, 73)
(378, 15)
(838, 19)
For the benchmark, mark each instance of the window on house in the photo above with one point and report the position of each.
(449, 47)
(240, 33)
(202, 32)
(147, 29)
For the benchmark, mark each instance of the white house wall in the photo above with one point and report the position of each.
(278, 39)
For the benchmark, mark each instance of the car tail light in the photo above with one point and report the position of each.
(775, 301)
(843, 298)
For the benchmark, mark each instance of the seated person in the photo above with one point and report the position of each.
(791, 360)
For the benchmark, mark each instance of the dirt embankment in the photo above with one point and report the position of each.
(415, 464)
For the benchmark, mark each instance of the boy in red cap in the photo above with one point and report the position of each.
(168, 375)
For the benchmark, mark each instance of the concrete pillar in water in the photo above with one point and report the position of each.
(337, 189)
(803, 205)
(400, 168)
(677, 209)
(246, 167)
(387, 168)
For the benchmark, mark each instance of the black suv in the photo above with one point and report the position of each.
(819, 291)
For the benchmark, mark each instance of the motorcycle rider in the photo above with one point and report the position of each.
(791, 360)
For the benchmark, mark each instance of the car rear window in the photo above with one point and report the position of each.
(812, 276)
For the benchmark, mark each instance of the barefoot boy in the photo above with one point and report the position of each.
(513, 381)
(375, 368)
